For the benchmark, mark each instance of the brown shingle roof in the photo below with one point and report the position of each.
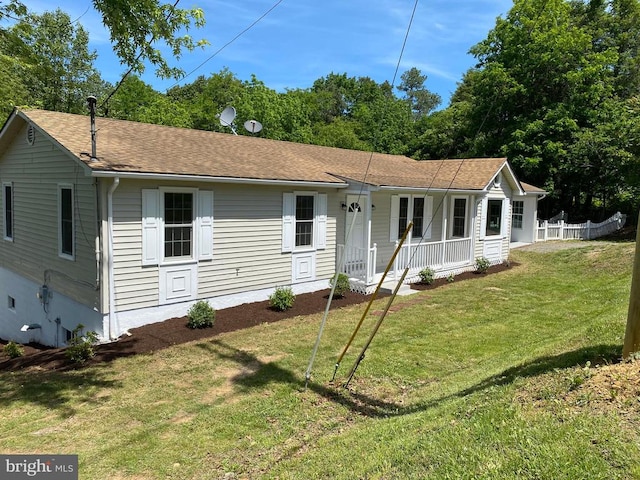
(128, 147)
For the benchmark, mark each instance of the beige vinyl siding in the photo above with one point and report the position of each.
(35, 172)
(247, 242)
(135, 286)
(247, 245)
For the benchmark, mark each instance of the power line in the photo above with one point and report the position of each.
(228, 43)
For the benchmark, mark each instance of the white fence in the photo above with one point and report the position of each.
(579, 231)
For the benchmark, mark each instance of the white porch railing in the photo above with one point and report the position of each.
(579, 231)
(435, 255)
(359, 262)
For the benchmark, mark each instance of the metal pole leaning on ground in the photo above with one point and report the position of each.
(341, 261)
(373, 297)
(632, 333)
(375, 329)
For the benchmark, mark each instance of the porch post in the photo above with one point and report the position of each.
(472, 229)
(443, 235)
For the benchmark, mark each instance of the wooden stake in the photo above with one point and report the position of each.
(632, 335)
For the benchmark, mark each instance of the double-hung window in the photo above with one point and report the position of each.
(7, 202)
(304, 220)
(66, 224)
(414, 208)
(178, 225)
(518, 214)
(459, 217)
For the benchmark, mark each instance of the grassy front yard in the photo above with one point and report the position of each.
(511, 375)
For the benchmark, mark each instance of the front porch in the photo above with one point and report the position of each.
(444, 257)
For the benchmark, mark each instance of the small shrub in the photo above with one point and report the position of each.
(81, 345)
(201, 315)
(451, 278)
(426, 276)
(342, 285)
(482, 265)
(282, 299)
(13, 350)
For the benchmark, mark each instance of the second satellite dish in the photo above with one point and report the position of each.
(252, 126)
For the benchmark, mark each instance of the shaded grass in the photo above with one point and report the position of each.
(436, 396)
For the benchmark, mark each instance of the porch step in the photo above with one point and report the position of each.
(390, 286)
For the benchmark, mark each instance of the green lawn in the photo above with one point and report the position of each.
(487, 378)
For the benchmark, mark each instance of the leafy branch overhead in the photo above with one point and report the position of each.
(137, 26)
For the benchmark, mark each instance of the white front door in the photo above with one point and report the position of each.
(356, 208)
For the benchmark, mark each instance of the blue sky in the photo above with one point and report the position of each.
(303, 40)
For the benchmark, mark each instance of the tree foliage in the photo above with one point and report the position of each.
(553, 91)
(49, 57)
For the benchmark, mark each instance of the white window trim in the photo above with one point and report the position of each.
(66, 256)
(504, 217)
(427, 217)
(194, 232)
(152, 223)
(4, 212)
(521, 227)
(319, 228)
(467, 204)
(314, 228)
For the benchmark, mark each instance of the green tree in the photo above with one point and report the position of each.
(54, 61)
(551, 92)
(421, 100)
(138, 28)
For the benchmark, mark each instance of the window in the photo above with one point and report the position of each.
(418, 216)
(459, 221)
(403, 216)
(518, 214)
(417, 209)
(494, 217)
(178, 224)
(11, 303)
(7, 201)
(65, 221)
(304, 220)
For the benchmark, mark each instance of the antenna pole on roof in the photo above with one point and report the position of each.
(92, 111)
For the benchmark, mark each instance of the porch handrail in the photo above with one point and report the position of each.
(435, 255)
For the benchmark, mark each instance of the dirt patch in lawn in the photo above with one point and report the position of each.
(174, 331)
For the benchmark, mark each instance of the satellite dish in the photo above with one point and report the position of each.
(226, 118)
(252, 126)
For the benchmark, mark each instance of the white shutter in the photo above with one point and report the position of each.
(394, 221)
(428, 217)
(205, 225)
(321, 222)
(505, 220)
(288, 221)
(484, 204)
(150, 227)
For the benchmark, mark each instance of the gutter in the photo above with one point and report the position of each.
(112, 293)
(200, 178)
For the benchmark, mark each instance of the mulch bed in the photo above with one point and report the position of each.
(156, 336)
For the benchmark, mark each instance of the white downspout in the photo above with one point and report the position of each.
(112, 295)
